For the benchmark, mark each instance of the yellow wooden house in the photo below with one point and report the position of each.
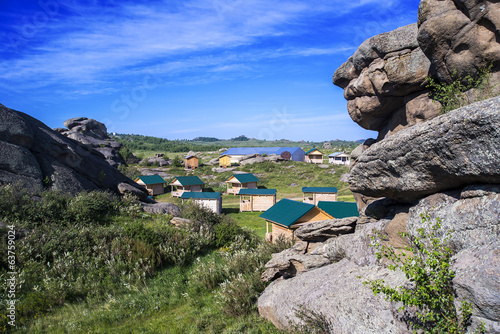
(224, 161)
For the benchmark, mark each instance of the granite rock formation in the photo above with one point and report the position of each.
(38, 158)
(90, 132)
(445, 166)
(459, 35)
(384, 80)
(451, 151)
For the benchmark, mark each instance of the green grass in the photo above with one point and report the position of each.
(250, 220)
(166, 305)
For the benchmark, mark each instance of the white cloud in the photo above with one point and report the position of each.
(105, 43)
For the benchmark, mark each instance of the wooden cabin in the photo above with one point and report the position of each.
(241, 181)
(182, 184)
(236, 153)
(339, 158)
(224, 161)
(191, 162)
(211, 200)
(339, 210)
(287, 215)
(314, 156)
(313, 195)
(154, 184)
(257, 199)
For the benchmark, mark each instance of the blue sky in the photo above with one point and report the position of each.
(182, 69)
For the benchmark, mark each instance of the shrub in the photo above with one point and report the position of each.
(430, 276)
(177, 161)
(193, 211)
(463, 90)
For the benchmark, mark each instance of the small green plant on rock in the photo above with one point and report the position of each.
(463, 90)
(427, 267)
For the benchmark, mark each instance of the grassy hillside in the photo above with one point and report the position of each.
(94, 263)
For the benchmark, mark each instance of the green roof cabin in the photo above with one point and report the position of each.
(287, 215)
(314, 156)
(210, 200)
(182, 184)
(313, 195)
(257, 199)
(340, 210)
(241, 181)
(154, 184)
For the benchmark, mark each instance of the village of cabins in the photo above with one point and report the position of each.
(285, 216)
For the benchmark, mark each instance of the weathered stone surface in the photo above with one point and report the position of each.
(383, 82)
(354, 247)
(162, 208)
(40, 158)
(94, 134)
(292, 262)
(322, 230)
(336, 292)
(459, 35)
(126, 188)
(471, 221)
(453, 150)
(477, 280)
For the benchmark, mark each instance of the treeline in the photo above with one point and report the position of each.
(148, 143)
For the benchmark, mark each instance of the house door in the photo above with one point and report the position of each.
(246, 205)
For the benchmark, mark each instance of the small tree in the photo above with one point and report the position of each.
(177, 161)
(427, 267)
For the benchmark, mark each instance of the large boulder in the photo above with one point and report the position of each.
(336, 291)
(38, 158)
(470, 216)
(459, 35)
(325, 229)
(451, 151)
(94, 134)
(294, 261)
(383, 82)
(477, 280)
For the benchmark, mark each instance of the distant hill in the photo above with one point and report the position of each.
(205, 144)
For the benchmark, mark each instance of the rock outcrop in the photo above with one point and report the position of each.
(336, 292)
(422, 165)
(90, 132)
(383, 82)
(459, 35)
(451, 151)
(38, 158)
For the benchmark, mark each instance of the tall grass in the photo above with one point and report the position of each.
(96, 263)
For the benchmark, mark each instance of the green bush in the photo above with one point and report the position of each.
(463, 90)
(427, 267)
(177, 161)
